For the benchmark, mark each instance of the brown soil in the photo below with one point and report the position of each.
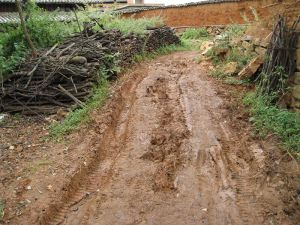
(171, 146)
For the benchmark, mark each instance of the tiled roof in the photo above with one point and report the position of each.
(69, 1)
(139, 8)
(13, 17)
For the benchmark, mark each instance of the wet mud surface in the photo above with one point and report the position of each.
(171, 147)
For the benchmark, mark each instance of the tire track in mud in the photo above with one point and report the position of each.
(165, 155)
(86, 180)
(168, 138)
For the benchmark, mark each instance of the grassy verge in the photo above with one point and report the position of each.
(193, 38)
(82, 115)
(164, 50)
(268, 119)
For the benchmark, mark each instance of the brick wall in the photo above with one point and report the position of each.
(217, 13)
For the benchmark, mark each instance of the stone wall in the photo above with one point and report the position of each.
(216, 13)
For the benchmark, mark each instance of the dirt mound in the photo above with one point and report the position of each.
(66, 73)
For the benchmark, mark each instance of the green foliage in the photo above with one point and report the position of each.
(164, 50)
(81, 115)
(274, 84)
(239, 56)
(233, 53)
(234, 81)
(193, 33)
(98, 97)
(130, 25)
(268, 118)
(125, 25)
(235, 30)
(44, 32)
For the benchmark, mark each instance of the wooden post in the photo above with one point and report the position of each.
(27, 36)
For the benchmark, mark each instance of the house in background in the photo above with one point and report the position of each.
(50, 5)
(8, 10)
(136, 2)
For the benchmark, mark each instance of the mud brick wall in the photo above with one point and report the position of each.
(217, 13)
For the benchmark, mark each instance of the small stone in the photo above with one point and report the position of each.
(260, 51)
(49, 187)
(257, 41)
(251, 68)
(247, 46)
(230, 68)
(205, 45)
(247, 38)
(28, 188)
(11, 147)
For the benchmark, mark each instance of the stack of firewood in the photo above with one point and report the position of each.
(64, 75)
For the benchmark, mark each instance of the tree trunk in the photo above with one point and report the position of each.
(27, 36)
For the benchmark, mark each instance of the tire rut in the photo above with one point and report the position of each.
(165, 155)
(85, 183)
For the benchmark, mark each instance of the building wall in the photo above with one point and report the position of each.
(216, 13)
(135, 1)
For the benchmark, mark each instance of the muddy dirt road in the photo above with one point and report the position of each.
(167, 153)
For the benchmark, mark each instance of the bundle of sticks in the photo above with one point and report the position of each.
(280, 61)
(64, 75)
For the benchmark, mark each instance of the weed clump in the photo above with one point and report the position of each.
(268, 118)
(193, 33)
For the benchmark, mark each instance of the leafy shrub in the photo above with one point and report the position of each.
(193, 33)
(268, 118)
(125, 25)
(44, 29)
(44, 32)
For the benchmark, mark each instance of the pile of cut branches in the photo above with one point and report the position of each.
(280, 64)
(64, 75)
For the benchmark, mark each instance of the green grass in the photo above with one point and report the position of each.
(234, 81)
(193, 38)
(43, 30)
(164, 50)
(130, 25)
(113, 21)
(193, 33)
(81, 115)
(268, 118)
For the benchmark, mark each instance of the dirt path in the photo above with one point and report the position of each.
(166, 154)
